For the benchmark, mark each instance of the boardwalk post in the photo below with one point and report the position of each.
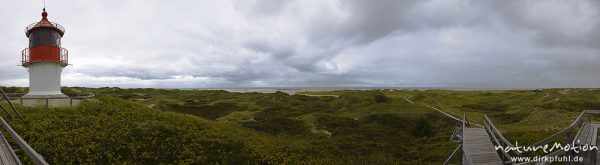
(569, 138)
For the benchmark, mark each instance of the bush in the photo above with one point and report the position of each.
(572, 104)
(113, 130)
(389, 120)
(487, 106)
(423, 128)
(380, 98)
(337, 125)
(121, 128)
(358, 99)
(14, 90)
(210, 112)
(273, 121)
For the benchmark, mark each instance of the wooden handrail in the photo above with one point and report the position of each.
(461, 129)
(448, 115)
(497, 137)
(90, 95)
(495, 140)
(37, 158)
(5, 97)
(496, 131)
(452, 155)
(465, 124)
(575, 124)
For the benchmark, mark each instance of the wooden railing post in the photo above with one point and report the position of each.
(466, 120)
(568, 138)
(452, 155)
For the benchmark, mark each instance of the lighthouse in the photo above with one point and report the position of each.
(45, 58)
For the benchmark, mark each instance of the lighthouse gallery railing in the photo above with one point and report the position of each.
(26, 57)
(37, 24)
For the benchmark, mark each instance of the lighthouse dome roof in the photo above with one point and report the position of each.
(44, 23)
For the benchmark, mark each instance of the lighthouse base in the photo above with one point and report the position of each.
(45, 95)
(47, 100)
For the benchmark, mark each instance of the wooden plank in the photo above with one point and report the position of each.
(583, 134)
(594, 135)
(581, 139)
(591, 134)
(478, 147)
(597, 158)
(7, 156)
(596, 126)
(588, 135)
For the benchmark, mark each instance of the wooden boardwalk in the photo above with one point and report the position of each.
(478, 148)
(587, 135)
(7, 154)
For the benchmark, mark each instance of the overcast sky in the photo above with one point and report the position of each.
(315, 43)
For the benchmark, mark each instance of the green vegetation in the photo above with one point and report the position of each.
(522, 115)
(152, 126)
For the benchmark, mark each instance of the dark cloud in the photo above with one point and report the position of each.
(277, 50)
(136, 73)
(368, 21)
(439, 43)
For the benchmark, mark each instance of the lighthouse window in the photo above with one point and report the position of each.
(44, 37)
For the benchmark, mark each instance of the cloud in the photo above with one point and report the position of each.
(229, 43)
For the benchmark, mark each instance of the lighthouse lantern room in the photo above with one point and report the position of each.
(45, 58)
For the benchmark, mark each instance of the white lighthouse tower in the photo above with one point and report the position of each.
(45, 58)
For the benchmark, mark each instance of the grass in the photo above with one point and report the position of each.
(152, 126)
